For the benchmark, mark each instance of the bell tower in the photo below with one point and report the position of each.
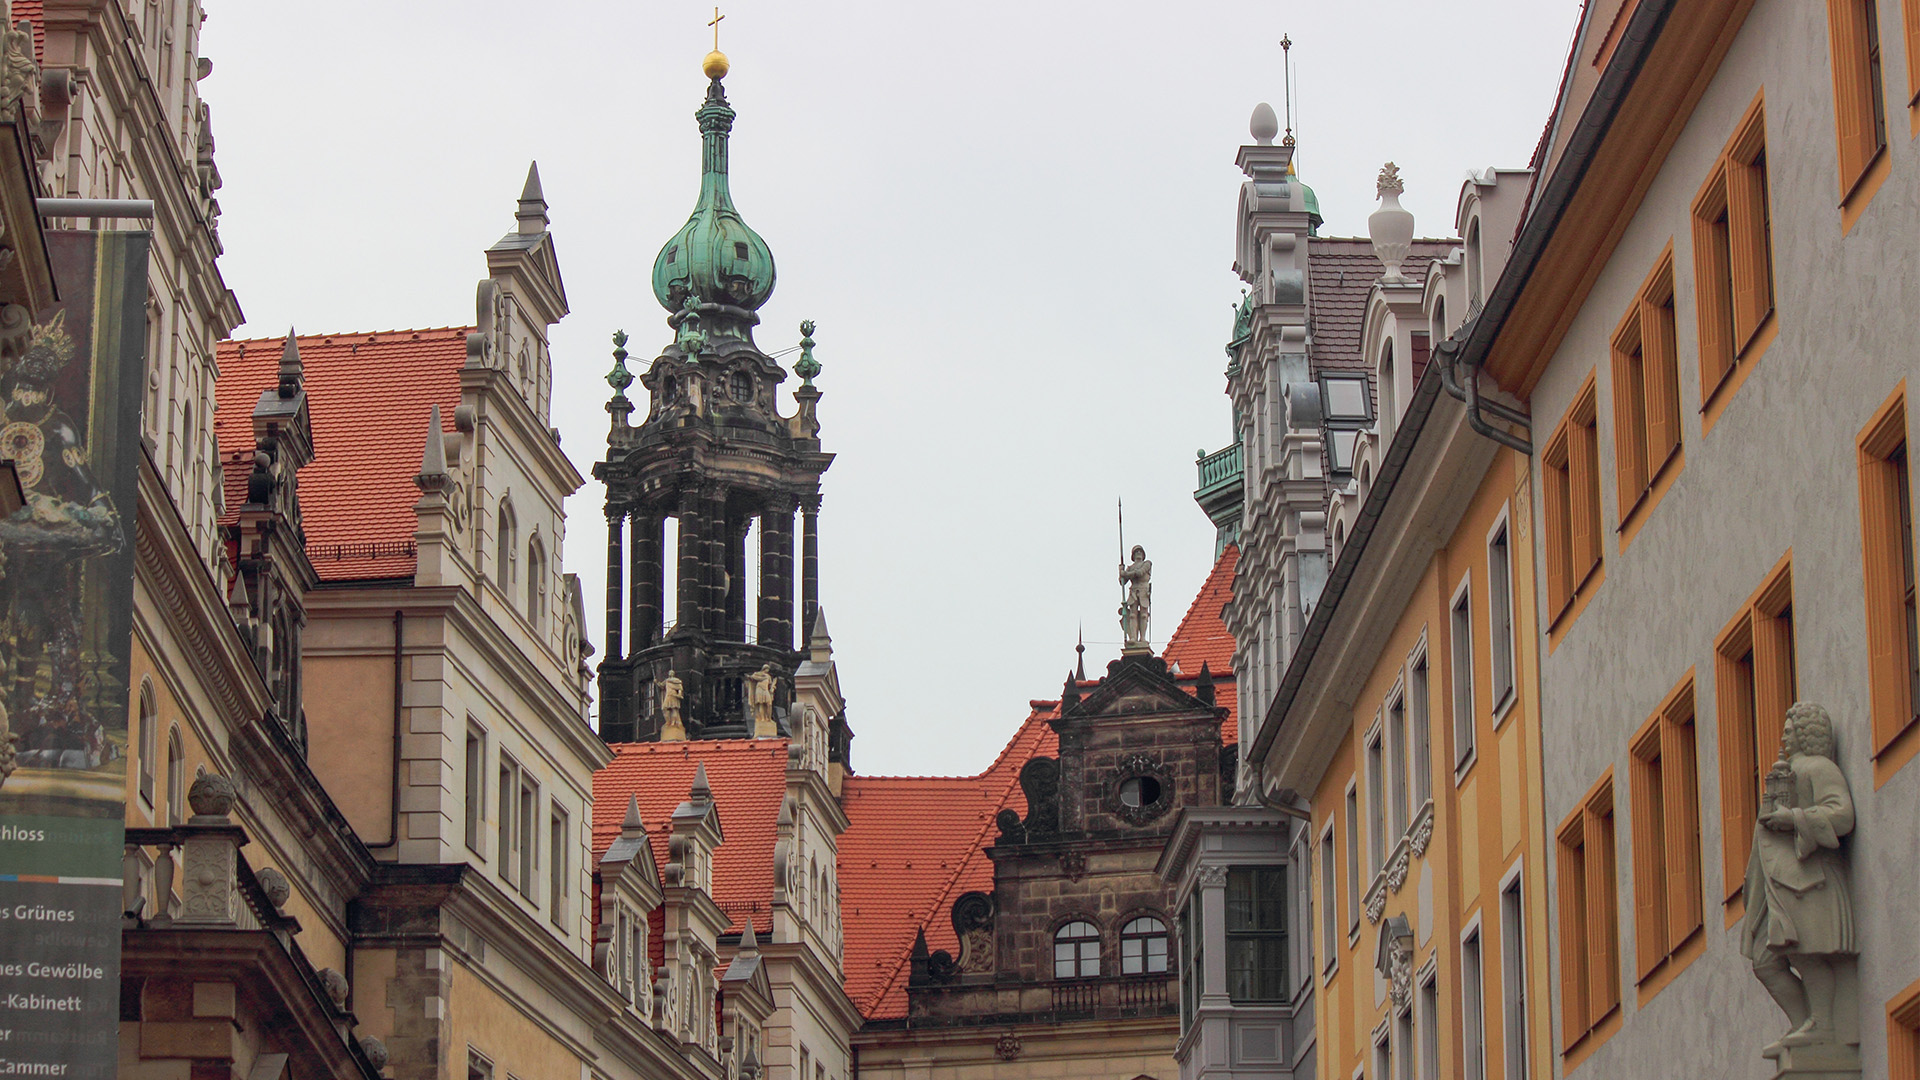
(702, 492)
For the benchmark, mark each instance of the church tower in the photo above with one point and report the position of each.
(710, 478)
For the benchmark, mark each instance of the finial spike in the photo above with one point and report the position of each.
(701, 791)
(290, 368)
(632, 821)
(433, 460)
(747, 940)
(532, 214)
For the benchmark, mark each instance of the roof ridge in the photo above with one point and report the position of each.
(281, 339)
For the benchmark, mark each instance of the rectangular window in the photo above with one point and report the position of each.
(529, 820)
(1376, 802)
(1754, 683)
(1572, 496)
(1403, 1041)
(1473, 1020)
(1589, 926)
(1513, 978)
(1733, 254)
(1910, 9)
(1256, 933)
(1667, 892)
(509, 792)
(1500, 615)
(1353, 860)
(1903, 1035)
(1430, 1027)
(1646, 389)
(1886, 518)
(1330, 915)
(1383, 1055)
(1460, 646)
(478, 1067)
(1417, 691)
(1859, 108)
(1397, 763)
(557, 887)
(476, 799)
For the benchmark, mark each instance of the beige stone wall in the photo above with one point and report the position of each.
(1094, 1051)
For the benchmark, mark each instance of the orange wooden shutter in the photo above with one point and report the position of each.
(1649, 862)
(1852, 89)
(1680, 772)
(1658, 362)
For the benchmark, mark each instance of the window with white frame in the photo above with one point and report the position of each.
(1376, 801)
(176, 779)
(1256, 933)
(1329, 911)
(149, 738)
(1383, 1054)
(1397, 764)
(504, 807)
(1513, 976)
(1076, 951)
(1422, 727)
(1353, 859)
(1430, 1026)
(558, 886)
(1403, 1041)
(1500, 613)
(1460, 646)
(475, 786)
(1473, 1019)
(1143, 946)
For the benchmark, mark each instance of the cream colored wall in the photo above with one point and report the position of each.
(480, 1018)
(349, 704)
(1091, 1051)
(1482, 824)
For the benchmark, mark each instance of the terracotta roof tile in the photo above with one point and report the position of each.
(368, 394)
(1202, 638)
(915, 845)
(34, 11)
(749, 780)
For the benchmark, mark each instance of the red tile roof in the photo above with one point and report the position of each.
(1341, 272)
(749, 780)
(1202, 638)
(915, 845)
(35, 11)
(369, 396)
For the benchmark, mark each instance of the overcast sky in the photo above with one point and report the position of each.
(1013, 222)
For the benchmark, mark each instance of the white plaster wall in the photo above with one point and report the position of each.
(1778, 471)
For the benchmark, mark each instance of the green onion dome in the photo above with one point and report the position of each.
(714, 257)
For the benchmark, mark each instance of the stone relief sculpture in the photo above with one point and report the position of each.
(1799, 930)
(1136, 610)
(673, 728)
(973, 925)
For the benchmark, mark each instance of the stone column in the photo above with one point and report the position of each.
(714, 585)
(1210, 892)
(809, 562)
(690, 565)
(645, 591)
(736, 579)
(616, 519)
(776, 576)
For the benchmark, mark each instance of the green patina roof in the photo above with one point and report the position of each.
(715, 256)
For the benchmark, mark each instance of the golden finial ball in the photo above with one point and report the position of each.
(715, 65)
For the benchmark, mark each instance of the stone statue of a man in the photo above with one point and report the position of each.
(760, 686)
(673, 727)
(1136, 610)
(1799, 930)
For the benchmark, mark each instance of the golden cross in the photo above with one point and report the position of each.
(716, 28)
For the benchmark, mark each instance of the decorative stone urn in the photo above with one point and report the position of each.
(1391, 226)
(212, 796)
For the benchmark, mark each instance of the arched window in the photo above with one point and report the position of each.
(1389, 394)
(148, 739)
(1143, 946)
(1439, 320)
(176, 779)
(1076, 951)
(507, 540)
(536, 582)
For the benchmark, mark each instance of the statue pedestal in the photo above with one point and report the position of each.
(1821, 1061)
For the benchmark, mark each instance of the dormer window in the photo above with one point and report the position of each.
(740, 250)
(1139, 791)
(1346, 410)
(673, 254)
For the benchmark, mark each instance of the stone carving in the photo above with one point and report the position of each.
(1073, 864)
(1799, 927)
(275, 885)
(335, 984)
(1397, 869)
(1211, 876)
(212, 795)
(760, 686)
(1012, 831)
(1376, 904)
(1393, 960)
(18, 72)
(1130, 802)
(673, 727)
(973, 926)
(941, 967)
(1040, 782)
(1007, 1047)
(376, 1052)
(9, 747)
(1136, 610)
(1391, 226)
(1422, 831)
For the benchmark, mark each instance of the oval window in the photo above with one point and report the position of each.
(1139, 791)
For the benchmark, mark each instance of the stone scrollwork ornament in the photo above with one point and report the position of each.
(1799, 929)
(18, 73)
(1423, 832)
(1007, 1047)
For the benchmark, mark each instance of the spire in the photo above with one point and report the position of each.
(748, 942)
(533, 204)
(1080, 650)
(433, 460)
(715, 257)
(632, 826)
(290, 370)
(701, 791)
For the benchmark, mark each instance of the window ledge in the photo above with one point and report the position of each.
(1503, 707)
(1650, 496)
(1465, 766)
